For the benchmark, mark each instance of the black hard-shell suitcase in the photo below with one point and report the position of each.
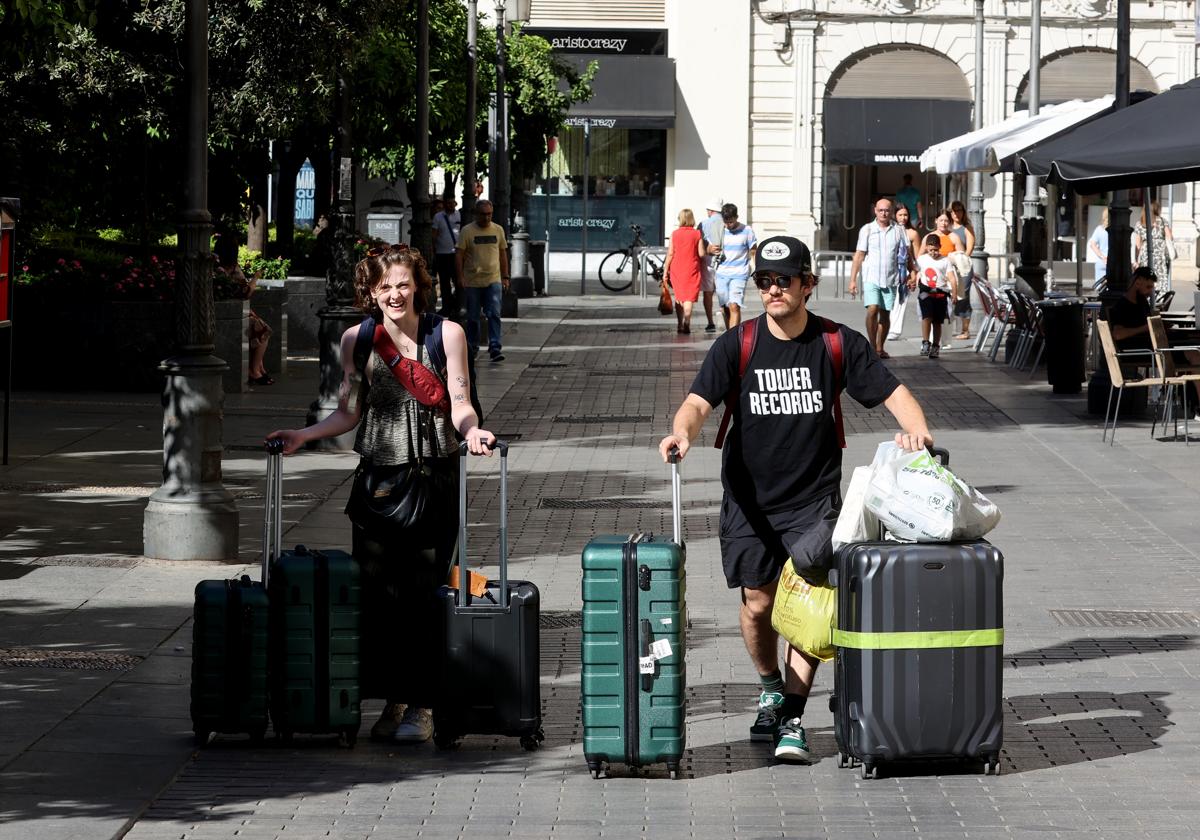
(229, 648)
(315, 630)
(918, 669)
(490, 671)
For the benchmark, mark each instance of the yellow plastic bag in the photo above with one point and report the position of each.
(805, 614)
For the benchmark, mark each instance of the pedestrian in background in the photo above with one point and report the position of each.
(1162, 243)
(1098, 249)
(258, 332)
(896, 321)
(781, 464)
(482, 270)
(712, 229)
(880, 256)
(738, 244)
(445, 231)
(961, 227)
(910, 197)
(936, 283)
(402, 570)
(682, 267)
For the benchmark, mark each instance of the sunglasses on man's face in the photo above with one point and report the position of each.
(767, 279)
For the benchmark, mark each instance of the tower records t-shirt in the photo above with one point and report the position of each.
(782, 450)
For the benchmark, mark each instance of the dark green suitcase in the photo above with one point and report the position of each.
(229, 659)
(315, 630)
(634, 636)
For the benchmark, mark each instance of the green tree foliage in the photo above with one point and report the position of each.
(94, 95)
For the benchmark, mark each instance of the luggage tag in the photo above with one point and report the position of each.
(476, 582)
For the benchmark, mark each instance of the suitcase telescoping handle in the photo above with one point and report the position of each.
(463, 588)
(272, 507)
(941, 454)
(676, 496)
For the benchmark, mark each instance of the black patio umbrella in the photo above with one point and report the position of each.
(1151, 143)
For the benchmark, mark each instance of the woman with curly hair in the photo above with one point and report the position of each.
(407, 412)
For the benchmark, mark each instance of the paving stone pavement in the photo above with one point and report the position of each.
(1102, 738)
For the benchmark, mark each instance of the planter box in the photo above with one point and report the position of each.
(305, 297)
(112, 345)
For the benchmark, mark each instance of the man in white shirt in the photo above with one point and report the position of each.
(446, 225)
(882, 255)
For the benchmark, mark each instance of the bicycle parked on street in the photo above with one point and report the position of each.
(619, 269)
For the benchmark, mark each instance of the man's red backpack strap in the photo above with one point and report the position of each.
(833, 344)
(747, 332)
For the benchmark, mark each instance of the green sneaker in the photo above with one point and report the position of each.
(766, 725)
(791, 745)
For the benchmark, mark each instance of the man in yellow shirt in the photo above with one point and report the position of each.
(482, 264)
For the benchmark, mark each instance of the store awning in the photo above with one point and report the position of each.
(629, 91)
(987, 149)
(886, 131)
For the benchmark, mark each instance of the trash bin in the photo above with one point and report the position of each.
(537, 262)
(1062, 319)
(522, 281)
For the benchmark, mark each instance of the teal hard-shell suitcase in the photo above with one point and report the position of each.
(634, 638)
(315, 630)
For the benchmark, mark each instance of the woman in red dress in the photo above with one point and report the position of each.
(683, 268)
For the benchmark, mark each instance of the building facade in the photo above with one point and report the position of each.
(799, 111)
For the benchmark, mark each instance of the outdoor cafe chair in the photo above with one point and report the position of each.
(1037, 321)
(1026, 328)
(1112, 358)
(1163, 303)
(995, 315)
(1172, 377)
(1006, 319)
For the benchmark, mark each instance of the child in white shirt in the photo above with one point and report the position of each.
(937, 284)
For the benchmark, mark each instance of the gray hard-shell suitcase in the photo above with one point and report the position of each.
(634, 639)
(490, 675)
(918, 669)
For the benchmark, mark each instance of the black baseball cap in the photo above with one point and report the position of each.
(783, 255)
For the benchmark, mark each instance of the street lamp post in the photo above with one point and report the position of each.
(469, 177)
(1117, 269)
(500, 164)
(192, 516)
(1033, 242)
(979, 257)
(339, 312)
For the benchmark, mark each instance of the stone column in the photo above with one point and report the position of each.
(995, 109)
(803, 220)
(192, 516)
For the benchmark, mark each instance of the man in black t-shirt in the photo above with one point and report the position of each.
(781, 465)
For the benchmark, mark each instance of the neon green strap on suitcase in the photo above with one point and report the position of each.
(911, 641)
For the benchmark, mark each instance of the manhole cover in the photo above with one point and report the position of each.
(559, 619)
(1157, 619)
(555, 503)
(603, 418)
(75, 660)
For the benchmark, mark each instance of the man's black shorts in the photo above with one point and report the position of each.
(933, 307)
(755, 545)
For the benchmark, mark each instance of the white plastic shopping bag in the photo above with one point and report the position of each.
(855, 523)
(919, 500)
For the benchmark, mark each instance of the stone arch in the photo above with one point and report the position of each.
(1083, 72)
(863, 63)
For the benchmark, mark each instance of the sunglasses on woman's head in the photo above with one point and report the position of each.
(768, 279)
(380, 250)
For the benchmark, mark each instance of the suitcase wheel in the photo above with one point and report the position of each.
(869, 770)
(673, 771)
(596, 769)
(201, 737)
(991, 766)
(448, 740)
(349, 737)
(532, 742)
(843, 760)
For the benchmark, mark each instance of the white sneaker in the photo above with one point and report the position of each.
(416, 727)
(385, 727)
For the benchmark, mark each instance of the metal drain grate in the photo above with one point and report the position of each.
(75, 660)
(656, 371)
(1156, 619)
(99, 561)
(555, 503)
(560, 619)
(549, 364)
(603, 418)
(645, 329)
(1088, 650)
(79, 489)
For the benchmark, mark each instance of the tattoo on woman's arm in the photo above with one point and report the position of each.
(461, 381)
